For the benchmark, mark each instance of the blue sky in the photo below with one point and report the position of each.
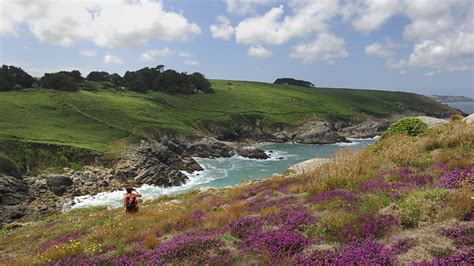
(408, 45)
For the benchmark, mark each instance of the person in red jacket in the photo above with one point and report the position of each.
(130, 201)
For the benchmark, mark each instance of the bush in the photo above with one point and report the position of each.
(9, 167)
(14, 78)
(410, 126)
(422, 207)
(59, 81)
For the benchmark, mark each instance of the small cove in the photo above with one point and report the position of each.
(224, 172)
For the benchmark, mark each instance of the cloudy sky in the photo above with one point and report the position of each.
(424, 46)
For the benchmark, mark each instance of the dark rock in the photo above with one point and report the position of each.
(319, 132)
(58, 184)
(18, 212)
(252, 152)
(209, 148)
(13, 191)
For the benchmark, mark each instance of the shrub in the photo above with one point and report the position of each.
(245, 226)
(410, 126)
(278, 244)
(9, 167)
(421, 206)
(150, 241)
(183, 246)
(357, 252)
(456, 179)
(456, 117)
(366, 225)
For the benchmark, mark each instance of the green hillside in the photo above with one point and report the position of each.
(98, 120)
(95, 119)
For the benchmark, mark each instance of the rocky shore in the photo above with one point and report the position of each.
(161, 162)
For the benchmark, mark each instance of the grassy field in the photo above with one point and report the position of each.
(94, 120)
(402, 201)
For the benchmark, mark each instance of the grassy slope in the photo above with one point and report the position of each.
(94, 120)
(409, 213)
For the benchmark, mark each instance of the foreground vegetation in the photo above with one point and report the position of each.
(402, 200)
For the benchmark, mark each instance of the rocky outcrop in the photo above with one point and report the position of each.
(14, 196)
(469, 119)
(58, 184)
(209, 148)
(318, 132)
(252, 152)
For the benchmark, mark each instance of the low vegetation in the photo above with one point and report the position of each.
(403, 200)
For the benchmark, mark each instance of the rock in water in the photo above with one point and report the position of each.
(58, 184)
(252, 152)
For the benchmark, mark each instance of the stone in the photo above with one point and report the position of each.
(58, 184)
(252, 152)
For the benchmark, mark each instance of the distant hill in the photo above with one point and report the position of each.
(292, 81)
(450, 99)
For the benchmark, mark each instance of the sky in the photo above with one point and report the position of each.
(422, 46)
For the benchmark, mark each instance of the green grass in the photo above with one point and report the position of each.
(97, 120)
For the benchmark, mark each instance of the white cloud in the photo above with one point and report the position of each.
(244, 7)
(112, 23)
(112, 59)
(383, 50)
(432, 73)
(184, 54)
(223, 30)
(259, 52)
(88, 53)
(153, 55)
(191, 62)
(441, 32)
(276, 28)
(326, 47)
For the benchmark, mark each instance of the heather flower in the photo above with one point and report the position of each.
(461, 236)
(368, 225)
(455, 179)
(278, 244)
(291, 219)
(183, 246)
(244, 226)
(463, 257)
(357, 252)
(334, 194)
(402, 245)
(197, 215)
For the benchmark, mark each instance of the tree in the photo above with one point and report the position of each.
(12, 78)
(98, 76)
(296, 82)
(59, 81)
(201, 83)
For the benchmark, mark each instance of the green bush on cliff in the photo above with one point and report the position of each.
(410, 126)
(9, 167)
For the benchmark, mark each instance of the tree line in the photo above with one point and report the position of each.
(142, 80)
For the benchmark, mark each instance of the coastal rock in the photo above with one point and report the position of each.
(469, 119)
(13, 191)
(318, 133)
(14, 194)
(209, 148)
(252, 152)
(308, 165)
(58, 184)
(432, 121)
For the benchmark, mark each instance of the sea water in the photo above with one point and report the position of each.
(467, 107)
(224, 172)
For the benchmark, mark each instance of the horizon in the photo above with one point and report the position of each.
(423, 47)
